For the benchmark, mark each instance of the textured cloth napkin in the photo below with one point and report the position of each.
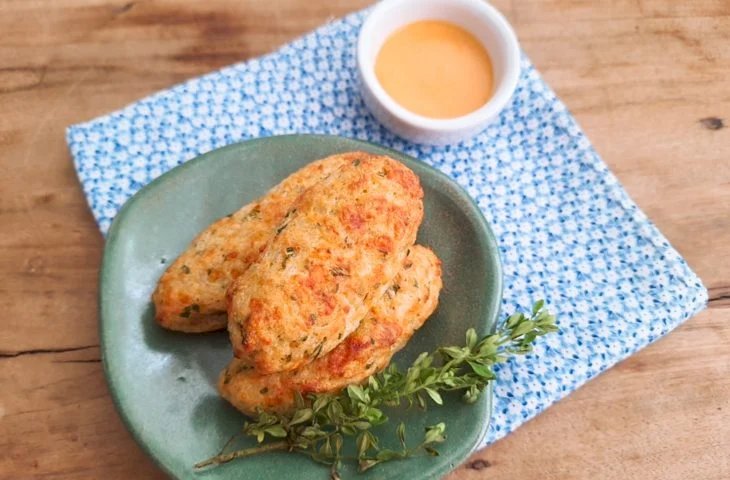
(567, 230)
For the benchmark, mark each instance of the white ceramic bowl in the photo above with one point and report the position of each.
(476, 16)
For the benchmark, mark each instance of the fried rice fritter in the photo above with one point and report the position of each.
(190, 295)
(409, 300)
(330, 259)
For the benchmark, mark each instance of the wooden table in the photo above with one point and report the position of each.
(649, 80)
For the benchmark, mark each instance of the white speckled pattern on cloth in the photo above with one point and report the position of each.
(567, 230)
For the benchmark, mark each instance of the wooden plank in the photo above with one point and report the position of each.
(638, 74)
(663, 413)
(59, 422)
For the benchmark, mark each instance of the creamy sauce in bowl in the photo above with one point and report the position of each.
(435, 69)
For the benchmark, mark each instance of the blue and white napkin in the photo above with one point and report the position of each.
(568, 231)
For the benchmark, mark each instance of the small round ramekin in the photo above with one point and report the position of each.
(476, 16)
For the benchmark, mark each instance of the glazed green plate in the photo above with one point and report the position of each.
(163, 383)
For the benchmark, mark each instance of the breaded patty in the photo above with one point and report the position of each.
(331, 258)
(408, 302)
(190, 295)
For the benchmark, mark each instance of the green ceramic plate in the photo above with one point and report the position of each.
(163, 383)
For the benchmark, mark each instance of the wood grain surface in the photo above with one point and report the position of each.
(649, 80)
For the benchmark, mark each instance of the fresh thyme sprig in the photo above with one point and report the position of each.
(320, 423)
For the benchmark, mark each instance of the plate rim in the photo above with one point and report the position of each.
(113, 233)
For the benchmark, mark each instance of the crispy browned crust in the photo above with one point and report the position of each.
(408, 302)
(190, 296)
(330, 259)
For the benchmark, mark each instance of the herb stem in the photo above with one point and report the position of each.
(222, 458)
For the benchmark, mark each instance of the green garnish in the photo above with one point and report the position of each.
(321, 423)
(339, 272)
(189, 309)
(318, 350)
(281, 228)
(185, 269)
(285, 222)
(290, 252)
(254, 213)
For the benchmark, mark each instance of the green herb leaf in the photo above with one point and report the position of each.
(482, 370)
(365, 465)
(301, 416)
(537, 307)
(277, 431)
(514, 319)
(363, 444)
(435, 434)
(435, 396)
(471, 338)
(356, 392)
(401, 432)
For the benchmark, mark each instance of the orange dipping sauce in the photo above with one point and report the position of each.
(435, 69)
